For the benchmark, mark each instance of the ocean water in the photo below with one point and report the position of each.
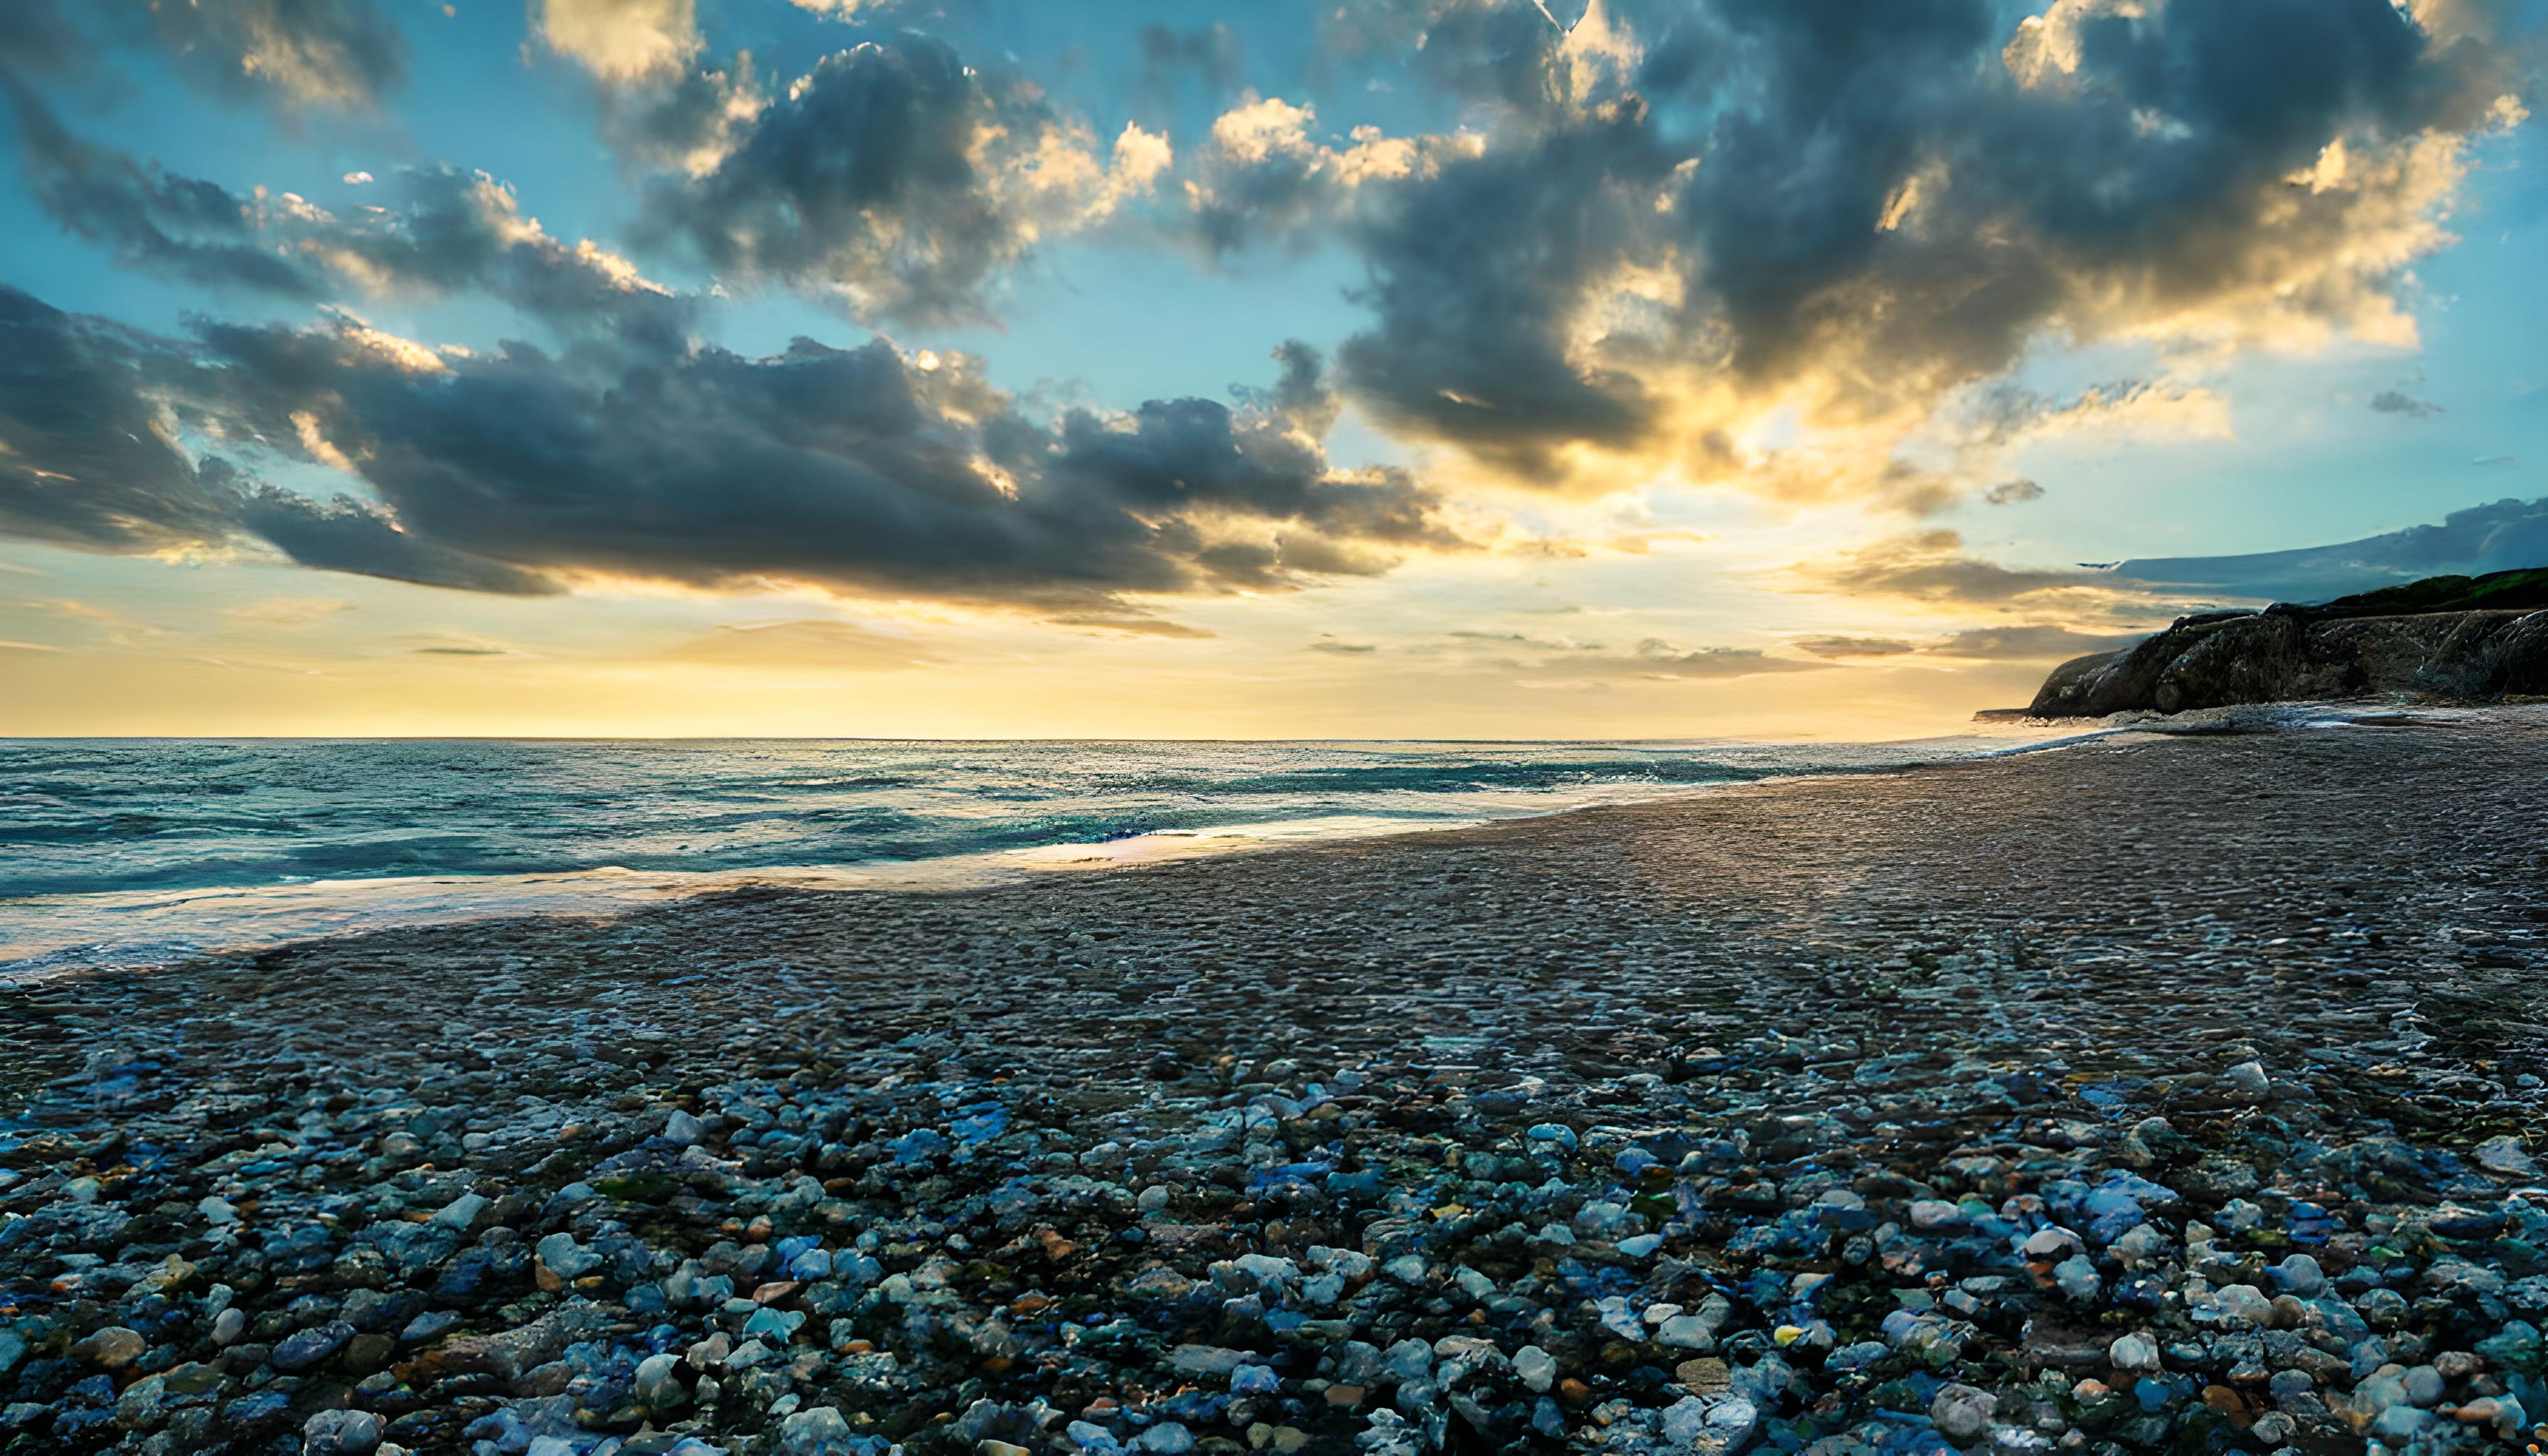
(139, 852)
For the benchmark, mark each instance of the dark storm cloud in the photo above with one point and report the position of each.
(1185, 457)
(454, 231)
(1496, 51)
(858, 469)
(91, 457)
(854, 469)
(892, 176)
(292, 53)
(1477, 49)
(1274, 194)
(448, 232)
(696, 117)
(1877, 202)
(1303, 393)
(1478, 275)
(348, 536)
(150, 218)
(85, 458)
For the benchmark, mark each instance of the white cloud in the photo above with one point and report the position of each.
(623, 39)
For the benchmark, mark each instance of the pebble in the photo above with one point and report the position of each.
(114, 1348)
(2505, 1154)
(1016, 1185)
(820, 1431)
(2134, 1354)
(1536, 1368)
(2300, 1276)
(2248, 1079)
(303, 1348)
(341, 1433)
(2077, 1277)
(1962, 1414)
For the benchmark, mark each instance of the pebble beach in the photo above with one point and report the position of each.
(2162, 1092)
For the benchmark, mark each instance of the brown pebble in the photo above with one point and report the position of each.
(112, 1347)
(369, 1352)
(2230, 1403)
(1705, 1375)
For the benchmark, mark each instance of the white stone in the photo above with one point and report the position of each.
(1536, 1368)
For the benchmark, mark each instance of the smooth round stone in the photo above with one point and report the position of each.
(2299, 1275)
(112, 1347)
(1962, 1414)
(341, 1433)
(820, 1431)
(303, 1348)
(2245, 1305)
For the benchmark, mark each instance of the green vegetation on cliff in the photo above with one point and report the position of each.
(2525, 589)
(2463, 639)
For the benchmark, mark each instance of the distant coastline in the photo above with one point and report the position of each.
(2445, 639)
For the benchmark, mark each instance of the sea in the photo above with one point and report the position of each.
(134, 852)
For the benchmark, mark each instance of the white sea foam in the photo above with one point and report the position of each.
(145, 853)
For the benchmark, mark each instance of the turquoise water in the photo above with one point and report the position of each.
(124, 850)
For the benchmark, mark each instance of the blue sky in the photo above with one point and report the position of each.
(1646, 369)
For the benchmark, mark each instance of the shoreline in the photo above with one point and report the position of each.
(2163, 1086)
(274, 916)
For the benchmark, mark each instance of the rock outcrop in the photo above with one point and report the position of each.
(2456, 639)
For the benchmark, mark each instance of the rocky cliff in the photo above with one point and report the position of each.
(2463, 639)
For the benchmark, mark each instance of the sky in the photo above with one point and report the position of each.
(1408, 369)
